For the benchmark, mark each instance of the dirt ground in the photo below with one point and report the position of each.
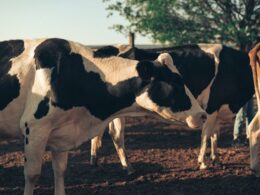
(164, 157)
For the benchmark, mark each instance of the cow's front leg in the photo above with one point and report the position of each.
(254, 134)
(117, 133)
(96, 144)
(59, 165)
(254, 160)
(34, 147)
(254, 124)
(208, 126)
(203, 149)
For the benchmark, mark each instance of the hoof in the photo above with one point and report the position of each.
(203, 166)
(130, 170)
(216, 162)
(93, 161)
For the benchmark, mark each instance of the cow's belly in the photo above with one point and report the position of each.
(77, 127)
(63, 138)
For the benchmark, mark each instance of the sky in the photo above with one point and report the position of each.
(84, 21)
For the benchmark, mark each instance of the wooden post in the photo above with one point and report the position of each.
(131, 39)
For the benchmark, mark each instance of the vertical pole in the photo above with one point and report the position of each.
(131, 39)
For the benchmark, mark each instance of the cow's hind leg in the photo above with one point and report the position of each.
(59, 165)
(96, 144)
(214, 142)
(208, 126)
(116, 131)
(35, 143)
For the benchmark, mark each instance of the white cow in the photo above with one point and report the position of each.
(56, 93)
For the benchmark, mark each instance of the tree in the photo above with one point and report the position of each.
(191, 21)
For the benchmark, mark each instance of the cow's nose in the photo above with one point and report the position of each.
(203, 117)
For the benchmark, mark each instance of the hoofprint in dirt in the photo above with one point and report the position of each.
(164, 156)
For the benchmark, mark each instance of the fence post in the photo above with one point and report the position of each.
(131, 39)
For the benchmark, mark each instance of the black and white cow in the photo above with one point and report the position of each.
(218, 76)
(56, 93)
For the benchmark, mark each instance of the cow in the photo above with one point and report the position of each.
(56, 93)
(254, 126)
(219, 77)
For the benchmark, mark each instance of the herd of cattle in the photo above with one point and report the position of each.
(59, 94)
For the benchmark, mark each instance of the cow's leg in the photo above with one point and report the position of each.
(214, 142)
(59, 165)
(208, 126)
(254, 124)
(116, 131)
(254, 160)
(203, 148)
(254, 133)
(96, 144)
(35, 143)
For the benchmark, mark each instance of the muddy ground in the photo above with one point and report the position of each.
(164, 157)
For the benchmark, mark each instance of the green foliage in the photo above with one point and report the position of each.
(190, 21)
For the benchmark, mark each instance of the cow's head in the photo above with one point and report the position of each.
(166, 93)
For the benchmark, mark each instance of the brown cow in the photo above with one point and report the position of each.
(254, 127)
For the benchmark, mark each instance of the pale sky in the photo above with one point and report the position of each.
(84, 21)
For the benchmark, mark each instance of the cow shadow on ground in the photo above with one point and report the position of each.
(79, 175)
(81, 178)
(241, 185)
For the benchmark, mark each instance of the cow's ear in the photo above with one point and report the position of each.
(105, 52)
(145, 69)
